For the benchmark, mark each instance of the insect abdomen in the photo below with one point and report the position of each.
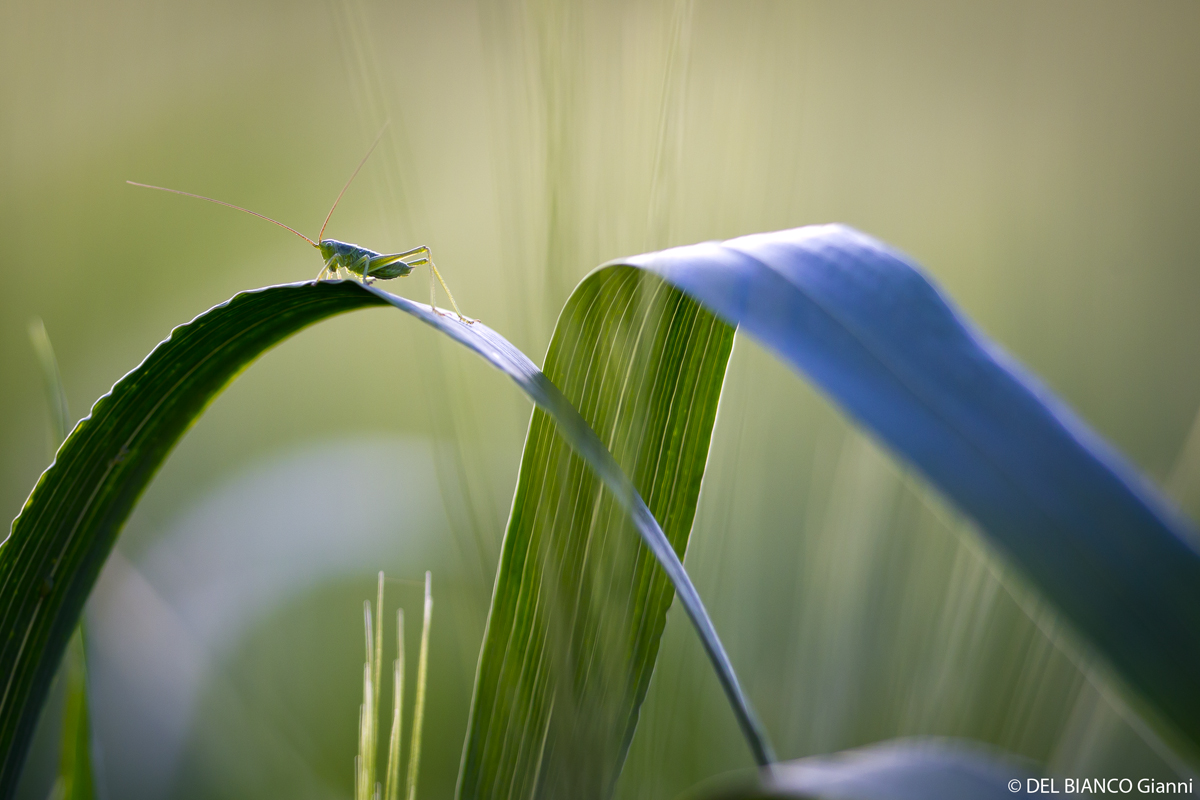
(397, 270)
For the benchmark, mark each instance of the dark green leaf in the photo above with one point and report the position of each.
(69, 523)
(71, 520)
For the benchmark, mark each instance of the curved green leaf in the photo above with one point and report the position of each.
(579, 605)
(70, 522)
(577, 432)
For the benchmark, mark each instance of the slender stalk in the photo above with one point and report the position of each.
(393, 763)
(75, 780)
(56, 397)
(364, 762)
(414, 752)
(376, 669)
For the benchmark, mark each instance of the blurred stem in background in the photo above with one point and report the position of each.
(414, 753)
(1183, 482)
(56, 398)
(75, 780)
(392, 790)
(75, 777)
(365, 785)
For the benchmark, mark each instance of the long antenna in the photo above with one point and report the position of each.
(321, 235)
(222, 203)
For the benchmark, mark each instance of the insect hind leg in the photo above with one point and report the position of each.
(427, 259)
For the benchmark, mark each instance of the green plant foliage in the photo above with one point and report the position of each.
(862, 322)
(414, 751)
(579, 603)
(626, 408)
(69, 524)
(71, 520)
(365, 766)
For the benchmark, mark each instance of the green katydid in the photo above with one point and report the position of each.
(366, 265)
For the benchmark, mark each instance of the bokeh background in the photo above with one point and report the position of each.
(1040, 159)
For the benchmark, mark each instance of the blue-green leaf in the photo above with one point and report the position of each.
(867, 326)
(903, 769)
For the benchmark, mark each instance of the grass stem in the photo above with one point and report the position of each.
(414, 753)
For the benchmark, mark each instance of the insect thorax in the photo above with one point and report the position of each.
(343, 252)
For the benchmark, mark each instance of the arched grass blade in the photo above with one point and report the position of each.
(68, 525)
(870, 329)
(70, 522)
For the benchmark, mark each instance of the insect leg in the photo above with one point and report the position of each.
(325, 270)
(432, 288)
(427, 258)
(357, 267)
(434, 271)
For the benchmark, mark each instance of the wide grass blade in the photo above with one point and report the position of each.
(869, 328)
(579, 605)
(697, 352)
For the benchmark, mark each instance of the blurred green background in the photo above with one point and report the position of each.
(1040, 159)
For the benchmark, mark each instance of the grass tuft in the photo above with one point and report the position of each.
(366, 787)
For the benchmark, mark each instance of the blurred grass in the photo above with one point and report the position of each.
(74, 780)
(1023, 153)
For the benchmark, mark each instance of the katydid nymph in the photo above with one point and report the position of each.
(358, 262)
